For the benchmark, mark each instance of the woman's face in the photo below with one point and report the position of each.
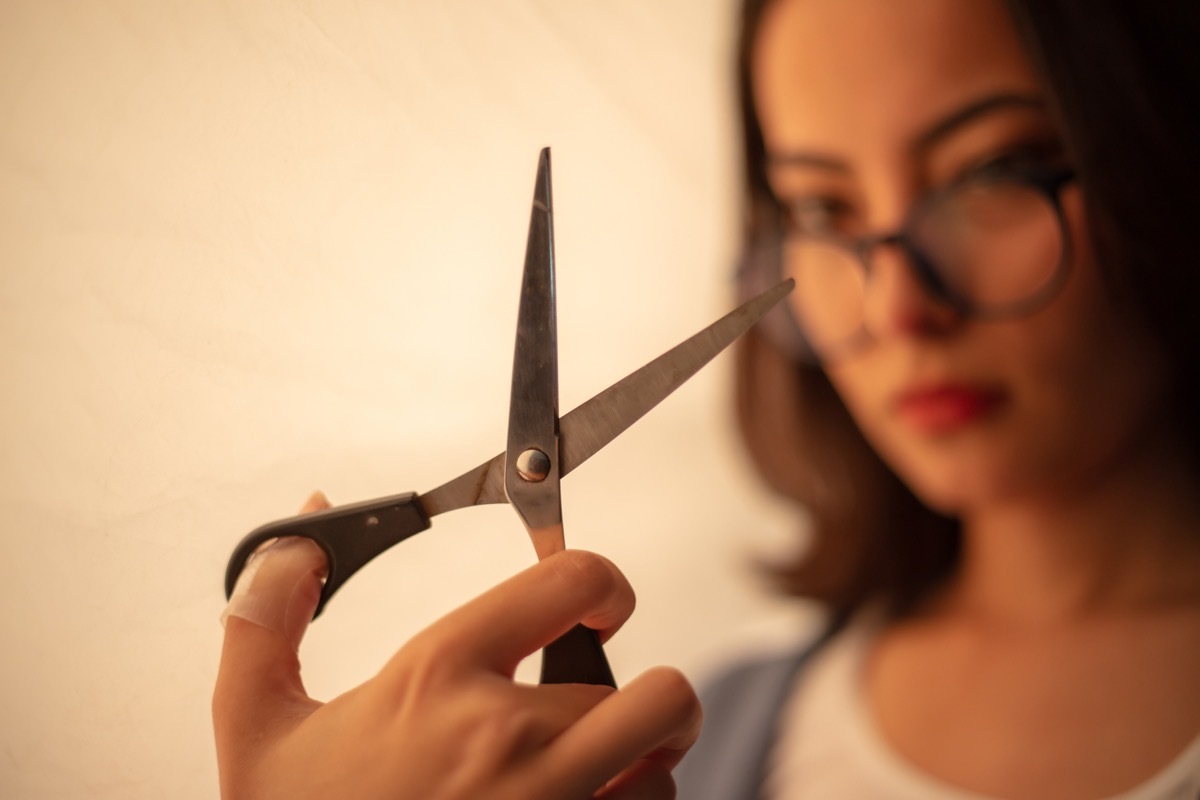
(867, 105)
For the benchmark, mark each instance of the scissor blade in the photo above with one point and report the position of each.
(478, 487)
(589, 427)
(531, 460)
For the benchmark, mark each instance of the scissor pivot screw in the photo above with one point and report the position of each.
(533, 465)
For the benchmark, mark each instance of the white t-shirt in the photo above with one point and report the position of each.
(829, 749)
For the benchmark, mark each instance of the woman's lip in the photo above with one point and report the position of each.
(946, 407)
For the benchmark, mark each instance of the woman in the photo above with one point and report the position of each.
(1014, 581)
(1010, 548)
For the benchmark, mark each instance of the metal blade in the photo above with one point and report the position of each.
(531, 463)
(479, 487)
(595, 423)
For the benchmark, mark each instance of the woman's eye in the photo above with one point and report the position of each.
(1019, 161)
(818, 215)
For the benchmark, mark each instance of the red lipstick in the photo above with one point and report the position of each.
(947, 407)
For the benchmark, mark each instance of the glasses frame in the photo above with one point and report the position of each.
(763, 265)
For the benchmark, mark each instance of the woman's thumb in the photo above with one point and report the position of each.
(267, 615)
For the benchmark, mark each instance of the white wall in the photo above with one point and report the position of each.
(255, 247)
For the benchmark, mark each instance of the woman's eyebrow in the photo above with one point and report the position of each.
(940, 130)
(803, 158)
(972, 112)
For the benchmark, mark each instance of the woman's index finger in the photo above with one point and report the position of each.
(529, 610)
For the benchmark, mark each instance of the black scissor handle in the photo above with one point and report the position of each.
(351, 535)
(576, 657)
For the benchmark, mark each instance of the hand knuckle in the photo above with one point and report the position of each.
(674, 690)
(589, 573)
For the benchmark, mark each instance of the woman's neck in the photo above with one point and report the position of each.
(1125, 543)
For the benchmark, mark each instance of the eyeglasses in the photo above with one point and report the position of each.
(991, 245)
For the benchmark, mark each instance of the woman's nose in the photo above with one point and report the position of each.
(897, 303)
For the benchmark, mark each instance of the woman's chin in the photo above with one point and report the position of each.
(949, 501)
(955, 490)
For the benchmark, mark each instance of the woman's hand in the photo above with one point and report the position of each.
(443, 718)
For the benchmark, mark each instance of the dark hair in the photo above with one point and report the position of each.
(1122, 80)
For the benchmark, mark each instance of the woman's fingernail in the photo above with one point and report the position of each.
(280, 586)
(317, 501)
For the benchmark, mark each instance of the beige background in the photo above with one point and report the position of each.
(255, 247)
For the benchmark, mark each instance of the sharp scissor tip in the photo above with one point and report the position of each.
(541, 189)
(777, 293)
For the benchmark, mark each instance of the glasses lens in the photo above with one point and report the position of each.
(995, 244)
(828, 299)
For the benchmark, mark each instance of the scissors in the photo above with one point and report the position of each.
(541, 448)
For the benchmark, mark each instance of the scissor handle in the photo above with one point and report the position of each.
(351, 535)
(576, 657)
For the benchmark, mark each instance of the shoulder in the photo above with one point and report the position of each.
(741, 708)
(750, 685)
